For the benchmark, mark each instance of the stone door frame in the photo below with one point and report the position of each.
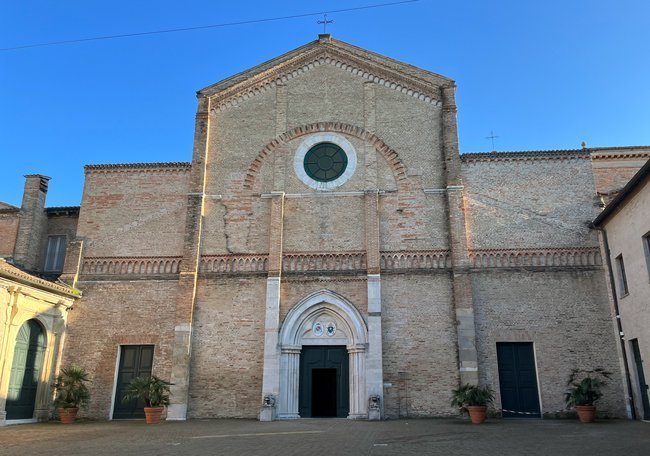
(294, 334)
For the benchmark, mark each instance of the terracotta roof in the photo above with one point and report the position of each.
(6, 207)
(11, 272)
(637, 180)
(128, 166)
(526, 155)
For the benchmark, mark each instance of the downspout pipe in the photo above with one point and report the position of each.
(619, 324)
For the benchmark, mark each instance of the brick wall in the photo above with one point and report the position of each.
(530, 203)
(113, 313)
(419, 344)
(227, 356)
(566, 316)
(8, 231)
(133, 212)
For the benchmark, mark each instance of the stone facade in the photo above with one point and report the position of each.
(414, 263)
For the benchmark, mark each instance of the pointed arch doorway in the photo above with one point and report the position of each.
(323, 344)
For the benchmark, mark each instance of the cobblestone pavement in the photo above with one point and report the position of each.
(329, 437)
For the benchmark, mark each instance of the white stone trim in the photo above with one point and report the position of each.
(312, 140)
(292, 335)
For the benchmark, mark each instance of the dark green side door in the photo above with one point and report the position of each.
(135, 361)
(518, 379)
(25, 371)
(323, 387)
(643, 387)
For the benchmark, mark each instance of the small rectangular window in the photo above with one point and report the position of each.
(646, 251)
(622, 279)
(55, 253)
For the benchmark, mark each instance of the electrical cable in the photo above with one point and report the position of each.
(202, 27)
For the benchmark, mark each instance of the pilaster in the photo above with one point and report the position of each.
(461, 280)
(374, 363)
(271, 371)
(358, 398)
(279, 157)
(72, 263)
(188, 276)
(369, 121)
(290, 366)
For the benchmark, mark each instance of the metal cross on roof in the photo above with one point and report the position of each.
(325, 22)
(492, 137)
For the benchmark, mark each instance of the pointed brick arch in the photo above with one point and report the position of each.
(390, 155)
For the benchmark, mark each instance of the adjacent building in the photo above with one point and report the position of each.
(625, 227)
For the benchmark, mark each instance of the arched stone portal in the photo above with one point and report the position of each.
(341, 324)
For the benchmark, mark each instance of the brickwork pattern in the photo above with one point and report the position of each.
(532, 203)
(134, 212)
(228, 336)
(8, 232)
(116, 313)
(419, 343)
(566, 316)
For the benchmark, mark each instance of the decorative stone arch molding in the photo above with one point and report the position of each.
(49, 311)
(390, 155)
(297, 330)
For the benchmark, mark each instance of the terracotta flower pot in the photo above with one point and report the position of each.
(152, 414)
(586, 413)
(477, 413)
(67, 415)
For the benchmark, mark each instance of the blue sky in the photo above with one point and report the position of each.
(541, 75)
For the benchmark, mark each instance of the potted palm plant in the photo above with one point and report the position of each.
(71, 392)
(584, 389)
(474, 399)
(153, 391)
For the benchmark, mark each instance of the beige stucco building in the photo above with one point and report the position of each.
(329, 252)
(625, 225)
(32, 331)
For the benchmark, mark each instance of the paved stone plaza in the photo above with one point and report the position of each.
(329, 436)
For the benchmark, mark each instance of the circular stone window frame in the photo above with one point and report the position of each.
(311, 141)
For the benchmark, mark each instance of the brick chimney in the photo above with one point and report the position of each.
(32, 228)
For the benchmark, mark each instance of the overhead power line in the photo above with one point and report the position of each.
(203, 27)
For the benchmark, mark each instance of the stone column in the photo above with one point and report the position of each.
(6, 350)
(290, 366)
(374, 361)
(358, 398)
(188, 276)
(462, 284)
(271, 371)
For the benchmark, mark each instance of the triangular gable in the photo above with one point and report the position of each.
(391, 73)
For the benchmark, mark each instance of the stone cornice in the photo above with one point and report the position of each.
(341, 262)
(140, 167)
(536, 257)
(10, 272)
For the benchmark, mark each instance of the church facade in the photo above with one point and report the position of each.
(329, 252)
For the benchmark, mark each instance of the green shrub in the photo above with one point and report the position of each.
(70, 388)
